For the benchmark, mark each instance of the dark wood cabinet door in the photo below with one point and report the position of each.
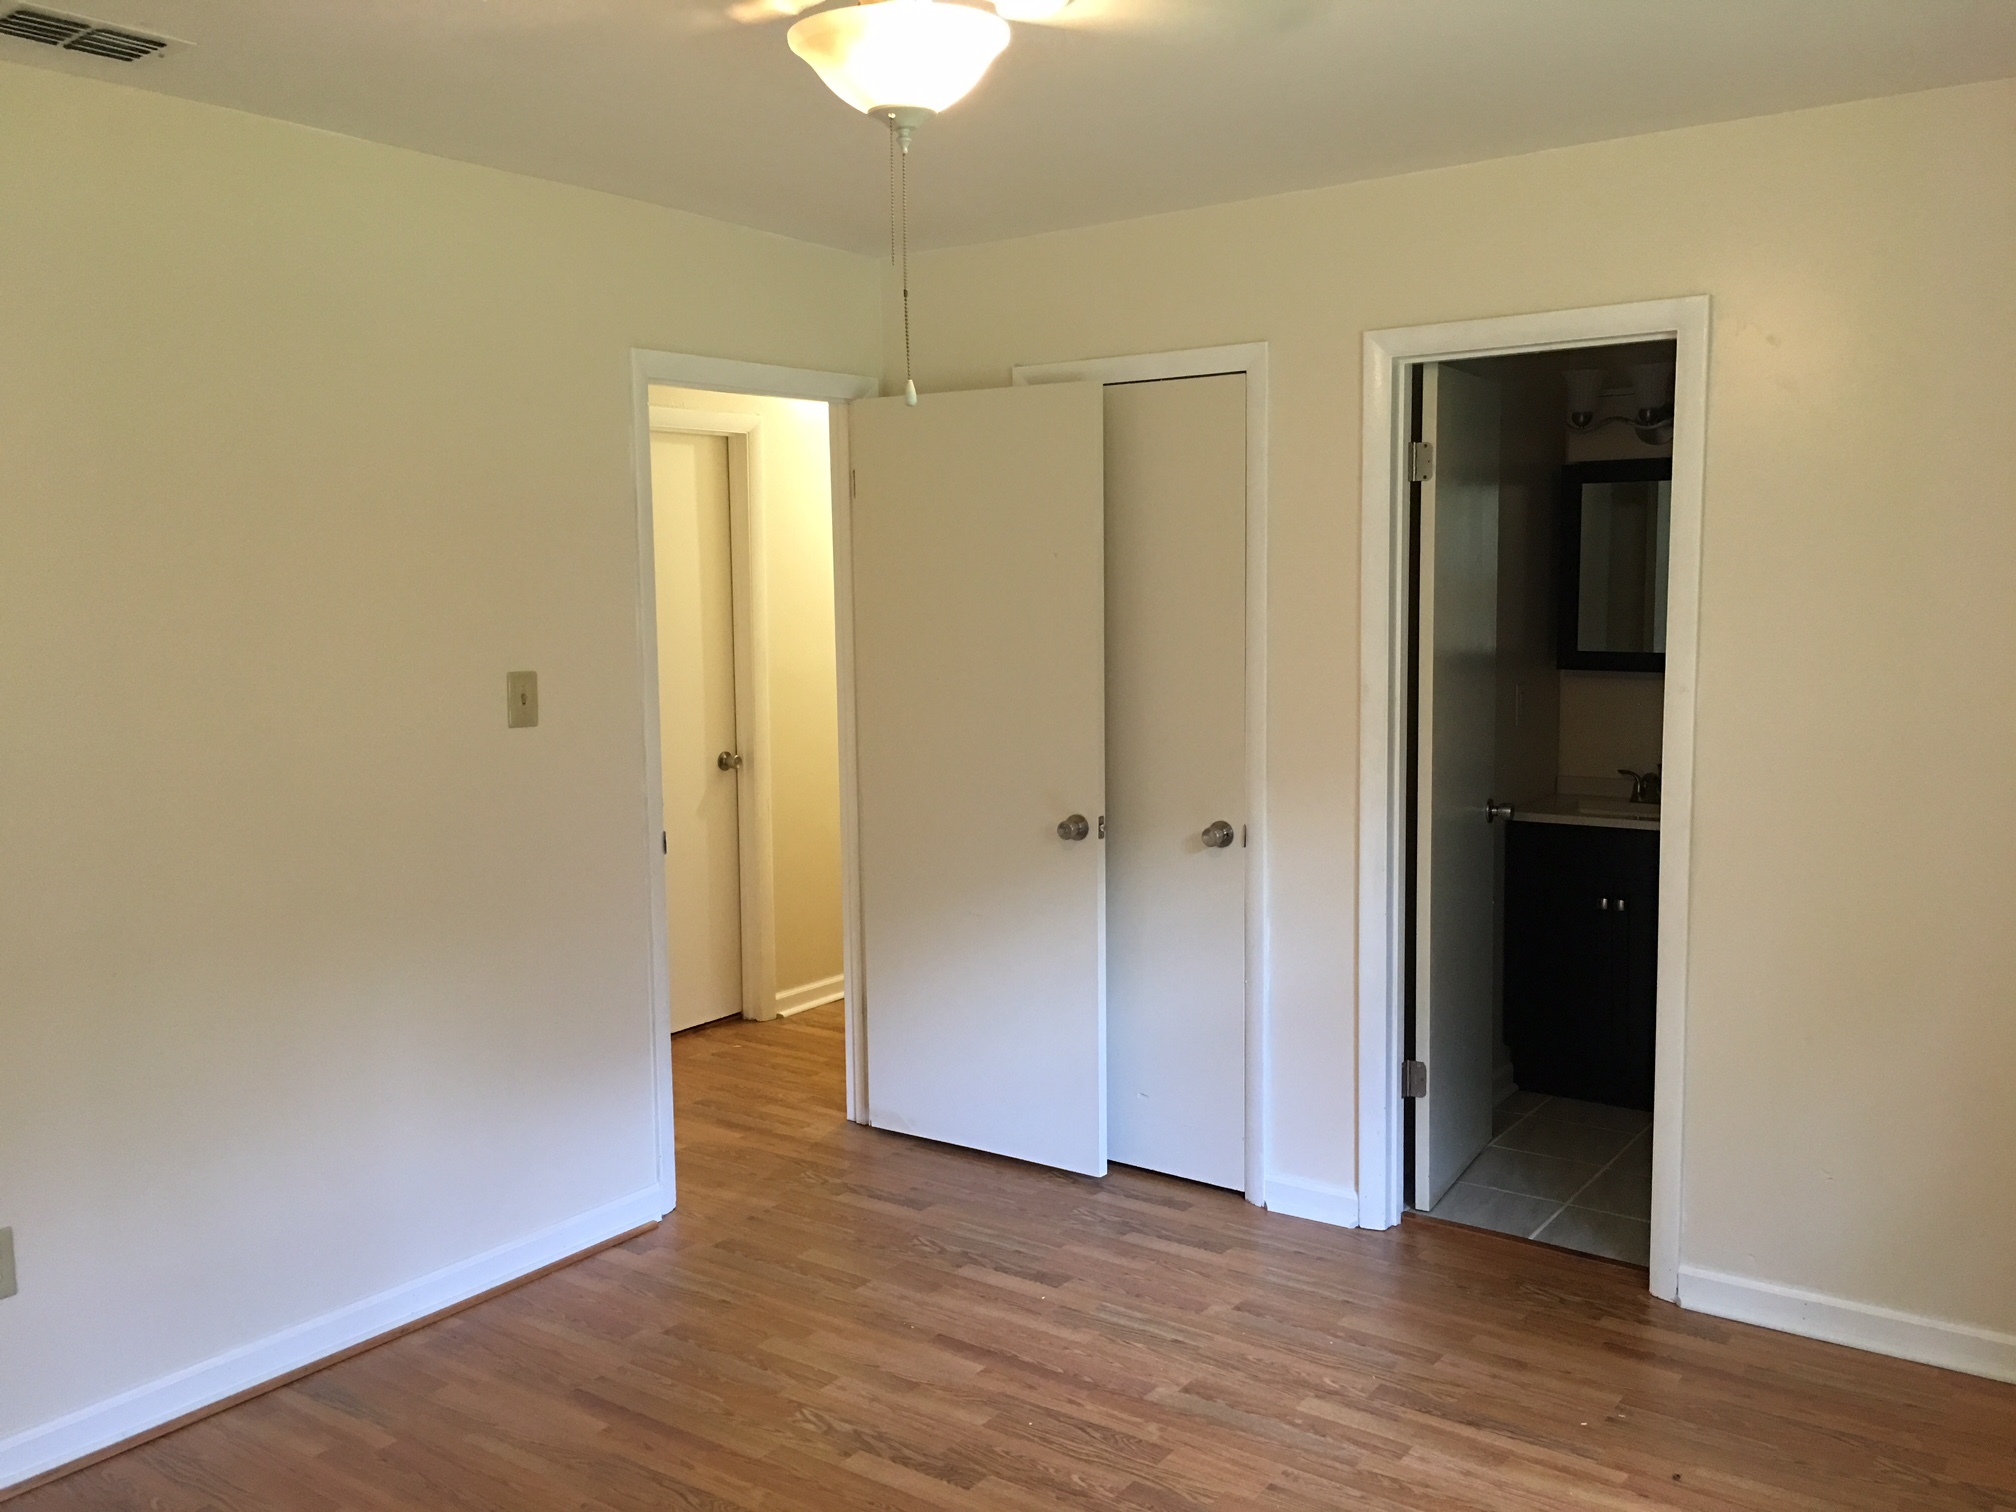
(1580, 935)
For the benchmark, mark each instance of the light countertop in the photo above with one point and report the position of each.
(1580, 808)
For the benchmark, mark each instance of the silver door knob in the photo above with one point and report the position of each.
(1218, 834)
(1495, 810)
(1074, 828)
(729, 761)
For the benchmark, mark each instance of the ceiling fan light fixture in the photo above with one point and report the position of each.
(1031, 10)
(915, 57)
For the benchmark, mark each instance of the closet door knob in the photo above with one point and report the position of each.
(1218, 834)
(729, 761)
(1074, 828)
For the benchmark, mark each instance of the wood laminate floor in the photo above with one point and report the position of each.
(839, 1318)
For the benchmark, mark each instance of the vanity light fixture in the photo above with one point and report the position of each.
(1651, 401)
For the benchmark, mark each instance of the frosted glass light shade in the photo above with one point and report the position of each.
(916, 55)
(1652, 386)
(1585, 394)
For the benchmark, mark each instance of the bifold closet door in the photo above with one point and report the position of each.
(1455, 859)
(979, 682)
(1176, 766)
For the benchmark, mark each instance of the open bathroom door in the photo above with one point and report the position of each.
(1455, 865)
(978, 565)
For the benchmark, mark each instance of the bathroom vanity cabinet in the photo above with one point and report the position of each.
(1581, 940)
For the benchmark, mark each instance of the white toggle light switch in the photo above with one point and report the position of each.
(521, 700)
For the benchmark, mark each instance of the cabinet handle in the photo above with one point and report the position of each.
(1620, 905)
(1604, 904)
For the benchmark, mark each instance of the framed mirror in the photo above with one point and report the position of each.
(1616, 531)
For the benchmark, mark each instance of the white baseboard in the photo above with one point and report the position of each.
(812, 995)
(1317, 1200)
(78, 1435)
(1907, 1336)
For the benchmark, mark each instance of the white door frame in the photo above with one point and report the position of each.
(725, 375)
(1382, 717)
(754, 790)
(1206, 362)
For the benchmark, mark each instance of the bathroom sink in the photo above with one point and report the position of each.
(1617, 808)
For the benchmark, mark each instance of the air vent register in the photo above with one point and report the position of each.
(74, 34)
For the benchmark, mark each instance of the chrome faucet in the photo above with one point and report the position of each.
(1644, 785)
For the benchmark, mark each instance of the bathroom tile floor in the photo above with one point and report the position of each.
(1573, 1174)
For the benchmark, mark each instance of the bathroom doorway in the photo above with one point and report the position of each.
(1521, 1064)
(1540, 511)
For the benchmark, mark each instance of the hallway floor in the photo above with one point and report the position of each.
(843, 1319)
(1576, 1174)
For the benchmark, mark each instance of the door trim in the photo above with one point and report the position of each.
(1205, 362)
(725, 375)
(754, 790)
(1382, 717)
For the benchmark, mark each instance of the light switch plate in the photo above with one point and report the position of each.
(521, 700)
(7, 1283)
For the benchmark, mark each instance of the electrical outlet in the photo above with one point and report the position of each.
(521, 700)
(7, 1284)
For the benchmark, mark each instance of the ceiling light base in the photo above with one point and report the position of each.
(904, 120)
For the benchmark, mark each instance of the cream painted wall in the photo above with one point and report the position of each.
(314, 979)
(1851, 1045)
(1609, 720)
(795, 464)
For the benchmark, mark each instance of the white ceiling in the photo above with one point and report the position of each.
(1136, 106)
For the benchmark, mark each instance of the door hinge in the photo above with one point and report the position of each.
(852, 487)
(664, 843)
(1413, 1078)
(1420, 461)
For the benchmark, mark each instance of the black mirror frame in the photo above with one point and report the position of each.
(1568, 571)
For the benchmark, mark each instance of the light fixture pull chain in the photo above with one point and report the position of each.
(903, 197)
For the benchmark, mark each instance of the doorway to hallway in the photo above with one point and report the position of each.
(742, 550)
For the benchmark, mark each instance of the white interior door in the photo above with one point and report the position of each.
(696, 711)
(979, 684)
(1176, 764)
(1455, 870)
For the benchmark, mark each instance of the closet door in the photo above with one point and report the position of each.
(1176, 767)
(980, 686)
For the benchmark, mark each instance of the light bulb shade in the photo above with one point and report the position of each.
(900, 54)
(1031, 10)
(1585, 392)
(1652, 386)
